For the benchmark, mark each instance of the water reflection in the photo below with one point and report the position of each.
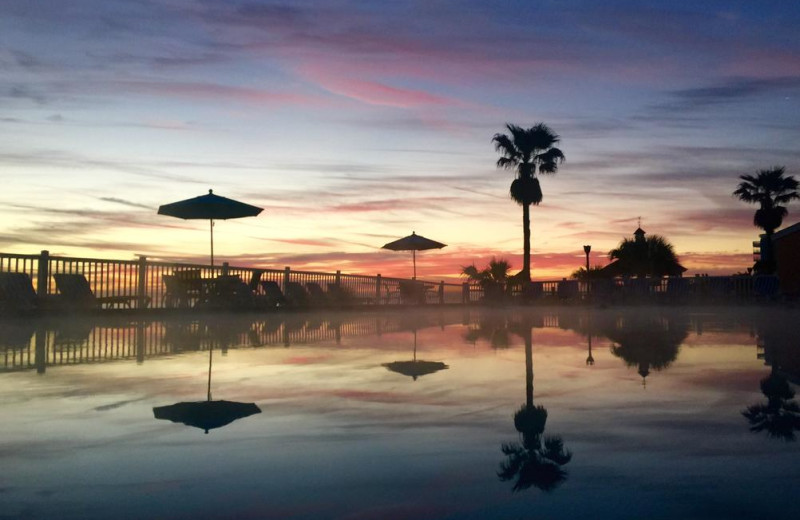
(646, 341)
(208, 414)
(537, 460)
(779, 416)
(415, 367)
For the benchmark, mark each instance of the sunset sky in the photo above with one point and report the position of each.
(356, 123)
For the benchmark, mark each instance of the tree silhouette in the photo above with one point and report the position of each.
(537, 460)
(527, 151)
(493, 278)
(770, 189)
(645, 256)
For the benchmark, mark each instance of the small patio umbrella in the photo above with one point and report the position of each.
(414, 243)
(211, 207)
(207, 414)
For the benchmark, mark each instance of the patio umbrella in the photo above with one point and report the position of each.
(207, 414)
(209, 207)
(414, 243)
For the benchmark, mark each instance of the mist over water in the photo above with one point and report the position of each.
(429, 414)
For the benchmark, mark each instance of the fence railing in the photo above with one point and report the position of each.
(143, 284)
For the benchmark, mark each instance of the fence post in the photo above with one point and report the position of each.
(441, 292)
(286, 272)
(225, 268)
(465, 292)
(141, 290)
(43, 274)
(378, 289)
(338, 278)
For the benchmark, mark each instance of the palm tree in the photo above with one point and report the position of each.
(528, 152)
(645, 256)
(595, 272)
(538, 459)
(493, 278)
(770, 189)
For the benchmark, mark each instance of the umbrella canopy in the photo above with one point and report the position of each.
(206, 415)
(209, 207)
(415, 368)
(414, 243)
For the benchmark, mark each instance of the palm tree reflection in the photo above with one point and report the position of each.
(780, 415)
(537, 460)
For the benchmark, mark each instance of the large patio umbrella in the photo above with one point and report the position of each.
(414, 243)
(209, 207)
(207, 414)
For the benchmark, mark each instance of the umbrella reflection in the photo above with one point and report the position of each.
(207, 414)
(415, 367)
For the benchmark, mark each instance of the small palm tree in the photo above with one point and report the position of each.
(493, 278)
(528, 151)
(771, 190)
(595, 272)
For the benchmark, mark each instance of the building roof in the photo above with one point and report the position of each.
(794, 228)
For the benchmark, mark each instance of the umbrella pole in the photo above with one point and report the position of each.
(212, 241)
(414, 256)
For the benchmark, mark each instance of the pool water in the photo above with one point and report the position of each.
(458, 414)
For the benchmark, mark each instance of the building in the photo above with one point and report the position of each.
(786, 248)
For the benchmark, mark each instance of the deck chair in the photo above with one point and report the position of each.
(297, 295)
(16, 293)
(317, 294)
(75, 290)
(273, 296)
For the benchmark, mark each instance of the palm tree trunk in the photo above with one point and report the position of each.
(526, 246)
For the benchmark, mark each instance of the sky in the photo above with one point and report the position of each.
(355, 123)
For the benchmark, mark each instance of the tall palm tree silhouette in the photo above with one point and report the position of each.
(770, 189)
(538, 459)
(528, 151)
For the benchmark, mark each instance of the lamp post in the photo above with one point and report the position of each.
(587, 250)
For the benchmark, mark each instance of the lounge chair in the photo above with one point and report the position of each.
(317, 294)
(17, 293)
(272, 295)
(296, 295)
(230, 292)
(75, 290)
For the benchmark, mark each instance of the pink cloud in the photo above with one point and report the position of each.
(371, 92)
(218, 91)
